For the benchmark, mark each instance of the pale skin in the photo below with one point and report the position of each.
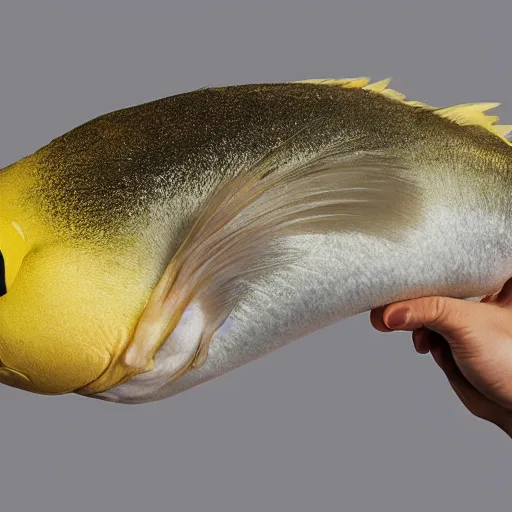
(470, 341)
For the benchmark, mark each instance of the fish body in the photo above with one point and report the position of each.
(159, 246)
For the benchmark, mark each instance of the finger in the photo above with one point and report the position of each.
(441, 314)
(377, 321)
(467, 393)
(442, 355)
(421, 339)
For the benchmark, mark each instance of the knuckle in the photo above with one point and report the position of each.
(437, 310)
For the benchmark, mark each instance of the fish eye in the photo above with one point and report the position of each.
(13, 249)
(3, 281)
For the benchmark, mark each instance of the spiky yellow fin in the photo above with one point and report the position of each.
(472, 114)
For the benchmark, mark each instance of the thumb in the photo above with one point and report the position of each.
(444, 315)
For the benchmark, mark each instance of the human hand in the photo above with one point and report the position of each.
(470, 341)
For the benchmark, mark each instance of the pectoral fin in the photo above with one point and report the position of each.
(236, 237)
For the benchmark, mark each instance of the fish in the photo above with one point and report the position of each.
(159, 246)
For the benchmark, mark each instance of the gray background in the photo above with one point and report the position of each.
(345, 419)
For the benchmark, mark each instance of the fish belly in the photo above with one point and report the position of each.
(340, 275)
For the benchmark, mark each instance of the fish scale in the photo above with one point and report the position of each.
(344, 275)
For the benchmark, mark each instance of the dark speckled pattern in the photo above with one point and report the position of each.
(99, 177)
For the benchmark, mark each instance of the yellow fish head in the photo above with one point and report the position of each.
(67, 307)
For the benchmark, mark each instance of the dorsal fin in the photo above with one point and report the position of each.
(342, 82)
(472, 114)
(505, 130)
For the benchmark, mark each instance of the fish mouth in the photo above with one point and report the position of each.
(15, 379)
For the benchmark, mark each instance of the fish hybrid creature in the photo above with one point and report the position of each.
(159, 246)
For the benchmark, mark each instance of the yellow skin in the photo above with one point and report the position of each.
(61, 334)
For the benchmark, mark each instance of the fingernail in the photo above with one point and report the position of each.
(398, 318)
